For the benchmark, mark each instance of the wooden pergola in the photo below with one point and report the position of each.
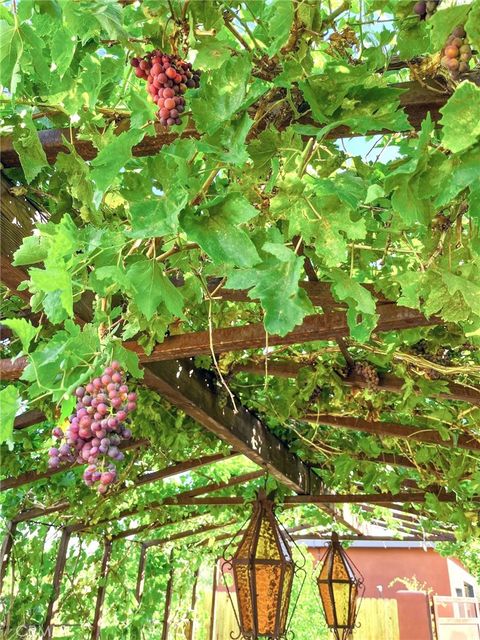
(170, 372)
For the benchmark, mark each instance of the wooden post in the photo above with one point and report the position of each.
(191, 624)
(107, 552)
(168, 600)
(57, 579)
(214, 599)
(6, 550)
(141, 574)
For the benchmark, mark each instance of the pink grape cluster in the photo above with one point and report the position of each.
(168, 78)
(97, 428)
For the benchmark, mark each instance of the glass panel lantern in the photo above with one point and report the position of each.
(263, 570)
(340, 585)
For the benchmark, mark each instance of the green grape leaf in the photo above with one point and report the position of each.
(361, 315)
(62, 50)
(29, 148)
(461, 118)
(10, 403)
(33, 249)
(56, 280)
(150, 286)
(222, 92)
(275, 282)
(217, 232)
(472, 26)
(111, 159)
(24, 329)
(11, 49)
(444, 21)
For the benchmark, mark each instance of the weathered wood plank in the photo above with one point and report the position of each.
(191, 391)
(421, 434)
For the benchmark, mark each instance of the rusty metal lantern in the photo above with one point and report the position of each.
(341, 587)
(263, 570)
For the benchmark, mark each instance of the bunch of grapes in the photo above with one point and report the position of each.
(457, 53)
(168, 78)
(426, 8)
(368, 372)
(96, 428)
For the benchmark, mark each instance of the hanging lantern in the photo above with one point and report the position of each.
(341, 586)
(263, 571)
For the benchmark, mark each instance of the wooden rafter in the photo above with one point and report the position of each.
(191, 391)
(417, 101)
(387, 382)
(420, 433)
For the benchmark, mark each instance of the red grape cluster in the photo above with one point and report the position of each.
(457, 53)
(426, 8)
(168, 78)
(97, 428)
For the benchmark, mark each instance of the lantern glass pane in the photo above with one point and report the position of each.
(287, 588)
(353, 602)
(341, 597)
(245, 547)
(267, 547)
(241, 574)
(327, 603)
(340, 571)
(267, 579)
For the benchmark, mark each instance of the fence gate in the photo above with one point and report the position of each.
(457, 618)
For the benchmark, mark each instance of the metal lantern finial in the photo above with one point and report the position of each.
(341, 586)
(263, 571)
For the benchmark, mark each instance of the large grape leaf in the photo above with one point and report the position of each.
(461, 118)
(29, 148)
(150, 286)
(222, 92)
(216, 230)
(24, 329)
(111, 159)
(445, 20)
(10, 403)
(361, 314)
(275, 282)
(11, 49)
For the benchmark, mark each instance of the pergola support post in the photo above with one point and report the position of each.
(57, 579)
(214, 602)
(168, 600)
(6, 550)
(141, 574)
(107, 552)
(191, 622)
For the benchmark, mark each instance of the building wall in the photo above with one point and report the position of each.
(380, 566)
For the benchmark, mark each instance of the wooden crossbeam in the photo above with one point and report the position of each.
(187, 534)
(417, 101)
(332, 498)
(191, 391)
(420, 434)
(29, 418)
(315, 327)
(34, 476)
(387, 382)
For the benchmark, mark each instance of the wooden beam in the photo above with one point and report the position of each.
(191, 391)
(420, 434)
(417, 101)
(333, 498)
(57, 579)
(191, 618)
(6, 550)
(29, 418)
(315, 327)
(214, 602)
(104, 569)
(156, 524)
(187, 534)
(34, 476)
(168, 600)
(189, 494)
(141, 574)
(388, 381)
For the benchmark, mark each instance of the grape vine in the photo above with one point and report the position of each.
(96, 428)
(168, 78)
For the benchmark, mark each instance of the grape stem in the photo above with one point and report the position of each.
(203, 190)
(176, 249)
